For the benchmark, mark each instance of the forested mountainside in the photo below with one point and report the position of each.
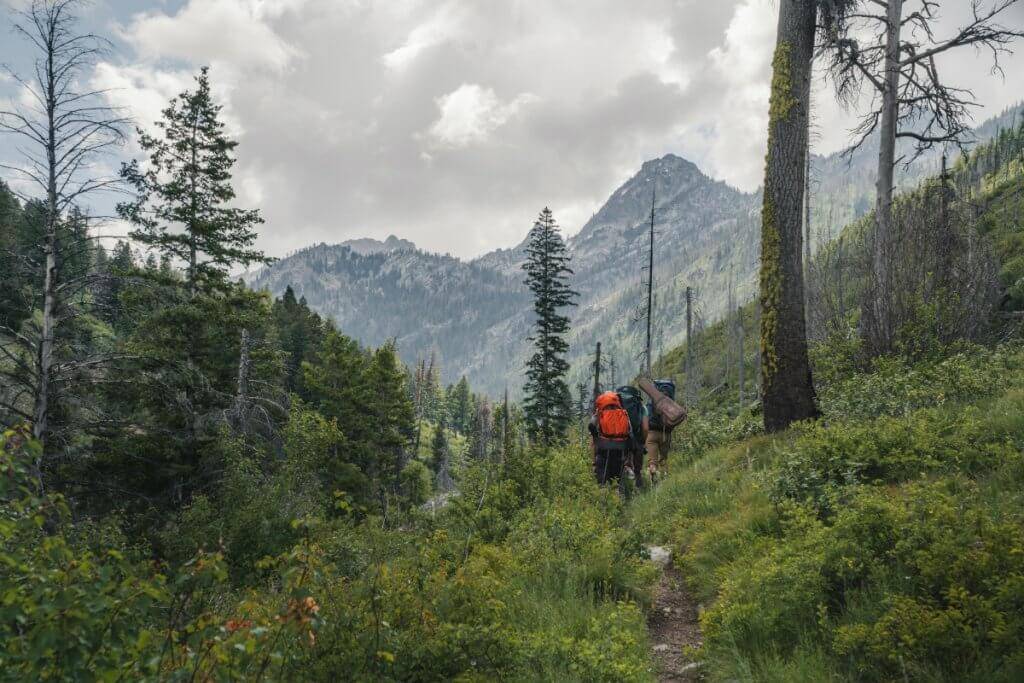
(843, 185)
(427, 302)
(472, 314)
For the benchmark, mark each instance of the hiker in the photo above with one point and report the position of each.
(610, 437)
(633, 403)
(659, 434)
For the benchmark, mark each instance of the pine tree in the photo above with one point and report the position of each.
(785, 371)
(391, 418)
(460, 406)
(548, 405)
(187, 185)
(336, 384)
(301, 333)
(14, 306)
(188, 340)
(481, 434)
(118, 266)
(439, 449)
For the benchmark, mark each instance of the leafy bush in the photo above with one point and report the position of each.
(942, 572)
(826, 459)
(897, 387)
(68, 610)
(922, 582)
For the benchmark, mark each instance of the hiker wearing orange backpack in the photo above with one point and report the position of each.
(614, 438)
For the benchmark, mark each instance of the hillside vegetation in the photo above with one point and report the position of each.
(885, 542)
(200, 480)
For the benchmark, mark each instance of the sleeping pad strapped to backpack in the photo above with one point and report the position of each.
(667, 387)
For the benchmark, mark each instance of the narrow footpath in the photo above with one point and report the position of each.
(674, 627)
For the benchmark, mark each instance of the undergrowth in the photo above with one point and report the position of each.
(885, 542)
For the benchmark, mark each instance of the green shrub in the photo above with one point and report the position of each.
(827, 459)
(416, 483)
(772, 598)
(897, 387)
(935, 576)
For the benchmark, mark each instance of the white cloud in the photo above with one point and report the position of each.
(471, 113)
(370, 117)
(440, 26)
(740, 70)
(142, 91)
(235, 32)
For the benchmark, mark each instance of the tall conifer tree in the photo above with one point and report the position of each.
(182, 208)
(188, 340)
(548, 405)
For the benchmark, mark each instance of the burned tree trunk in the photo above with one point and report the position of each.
(879, 319)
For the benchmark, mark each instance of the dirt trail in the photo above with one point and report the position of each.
(673, 625)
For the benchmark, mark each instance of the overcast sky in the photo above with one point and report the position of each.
(453, 122)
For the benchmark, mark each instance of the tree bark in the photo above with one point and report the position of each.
(44, 361)
(880, 325)
(742, 362)
(788, 391)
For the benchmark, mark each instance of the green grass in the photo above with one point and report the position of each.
(912, 571)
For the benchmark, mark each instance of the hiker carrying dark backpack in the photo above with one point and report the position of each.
(633, 404)
(659, 435)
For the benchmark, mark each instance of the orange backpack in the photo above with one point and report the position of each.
(612, 418)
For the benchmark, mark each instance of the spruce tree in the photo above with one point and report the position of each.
(460, 406)
(439, 448)
(391, 417)
(187, 346)
(548, 405)
(182, 208)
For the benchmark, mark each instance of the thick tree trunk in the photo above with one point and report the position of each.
(788, 392)
(879, 329)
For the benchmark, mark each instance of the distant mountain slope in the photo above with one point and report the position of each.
(705, 234)
(843, 186)
(367, 246)
(476, 315)
(427, 302)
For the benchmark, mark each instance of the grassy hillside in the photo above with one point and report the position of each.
(884, 543)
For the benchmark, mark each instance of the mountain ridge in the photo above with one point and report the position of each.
(474, 314)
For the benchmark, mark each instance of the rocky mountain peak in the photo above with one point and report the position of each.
(368, 245)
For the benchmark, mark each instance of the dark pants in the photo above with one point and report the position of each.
(608, 465)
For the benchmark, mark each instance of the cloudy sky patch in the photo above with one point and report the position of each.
(453, 122)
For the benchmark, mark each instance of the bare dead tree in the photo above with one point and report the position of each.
(254, 407)
(910, 99)
(66, 129)
(945, 272)
(742, 362)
